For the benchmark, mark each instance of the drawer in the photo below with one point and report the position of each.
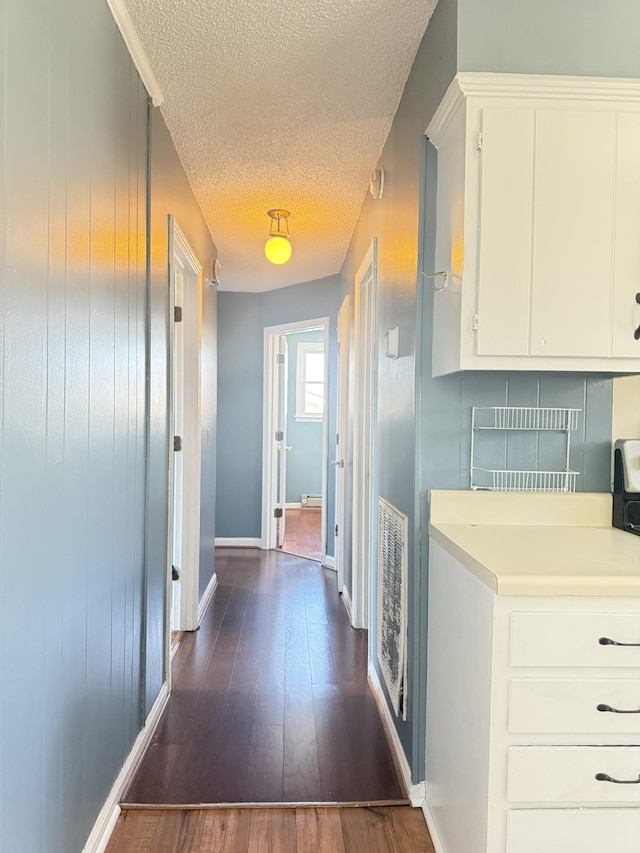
(574, 639)
(567, 774)
(573, 831)
(571, 705)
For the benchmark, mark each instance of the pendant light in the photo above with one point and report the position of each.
(278, 246)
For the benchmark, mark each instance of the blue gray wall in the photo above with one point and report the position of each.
(82, 573)
(304, 461)
(597, 38)
(242, 318)
(423, 425)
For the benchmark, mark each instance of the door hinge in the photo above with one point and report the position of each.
(336, 529)
(477, 142)
(177, 442)
(280, 358)
(175, 574)
(177, 313)
(474, 322)
(277, 513)
(279, 435)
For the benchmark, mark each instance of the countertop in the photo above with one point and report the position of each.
(521, 543)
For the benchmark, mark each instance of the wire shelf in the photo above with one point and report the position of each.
(528, 419)
(525, 417)
(523, 481)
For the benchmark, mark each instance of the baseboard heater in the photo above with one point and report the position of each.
(311, 501)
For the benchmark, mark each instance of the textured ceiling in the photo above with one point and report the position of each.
(274, 104)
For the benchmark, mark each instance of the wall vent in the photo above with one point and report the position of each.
(392, 603)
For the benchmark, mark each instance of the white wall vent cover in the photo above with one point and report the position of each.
(392, 603)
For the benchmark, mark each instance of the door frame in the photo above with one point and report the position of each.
(180, 252)
(341, 447)
(269, 452)
(364, 427)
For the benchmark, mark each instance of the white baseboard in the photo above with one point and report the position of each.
(108, 817)
(431, 826)
(346, 600)
(329, 562)
(238, 542)
(293, 505)
(416, 792)
(208, 595)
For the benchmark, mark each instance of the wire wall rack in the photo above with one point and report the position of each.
(529, 419)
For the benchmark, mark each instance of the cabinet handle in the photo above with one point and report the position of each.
(615, 710)
(636, 334)
(604, 777)
(605, 641)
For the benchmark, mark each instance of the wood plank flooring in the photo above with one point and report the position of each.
(270, 701)
(392, 829)
(302, 533)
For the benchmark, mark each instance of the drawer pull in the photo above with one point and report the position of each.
(615, 710)
(604, 777)
(605, 641)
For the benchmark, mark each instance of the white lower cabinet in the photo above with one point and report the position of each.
(533, 723)
(573, 831)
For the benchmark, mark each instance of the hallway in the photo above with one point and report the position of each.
(270, 702)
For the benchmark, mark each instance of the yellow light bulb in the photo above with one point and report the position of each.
(277, 250)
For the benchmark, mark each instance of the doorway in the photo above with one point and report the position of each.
(295, 438)
(185, 299)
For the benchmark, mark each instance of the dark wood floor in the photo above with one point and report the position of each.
(302, 533)
(395, 829)
(270, 702)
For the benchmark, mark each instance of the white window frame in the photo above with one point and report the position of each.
(302, 349)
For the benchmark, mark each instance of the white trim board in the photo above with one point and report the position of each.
(415, 792)
(237, 542)
(108, 817)
(138, 54)
(348, 606)
(206, 598)
(438, 846)
(293, 505)
(329, 562)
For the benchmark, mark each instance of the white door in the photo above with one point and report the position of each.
(341, 441)
(186, 419)
(281, 373)
(365, 292)
(178, 433)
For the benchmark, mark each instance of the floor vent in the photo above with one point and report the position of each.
(310, 501)
(392, 603)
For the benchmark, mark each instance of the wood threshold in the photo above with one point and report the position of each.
(365, 804)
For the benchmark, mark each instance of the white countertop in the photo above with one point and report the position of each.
(521, 543)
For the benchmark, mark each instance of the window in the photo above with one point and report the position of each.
(310, 381)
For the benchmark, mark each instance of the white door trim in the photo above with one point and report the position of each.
(363, 434)
(342, 430)
(180, 252)
(271, 333)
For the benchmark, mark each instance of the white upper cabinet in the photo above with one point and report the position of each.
(538, 224)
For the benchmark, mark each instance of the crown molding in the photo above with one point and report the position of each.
(452, 101)
(615, 89)
(603, 91)
(137, 52)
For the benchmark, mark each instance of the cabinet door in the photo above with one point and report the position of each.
(504, 266)
(575, 154)
(626, 311)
